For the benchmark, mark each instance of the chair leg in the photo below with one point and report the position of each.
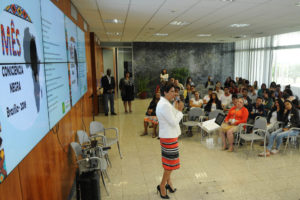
(106, 174)
(286, 143)
(108, 160)
(119, 150)
(103, 181)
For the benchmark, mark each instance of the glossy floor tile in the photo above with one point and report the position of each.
(206, 172)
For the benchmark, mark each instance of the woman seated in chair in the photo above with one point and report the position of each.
(151, 116)
(291, 119)
(213, 104)
(276, 114)
(237, 114)
(196, 101)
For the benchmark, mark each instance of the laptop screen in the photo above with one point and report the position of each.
(219, 119)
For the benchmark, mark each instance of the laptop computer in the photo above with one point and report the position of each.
(213, 124)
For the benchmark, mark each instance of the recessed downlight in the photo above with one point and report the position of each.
(179, 23)
(161, 34)
(113, 21)
(203, 35)
(227, 0)
(239, 25)
(114, 33)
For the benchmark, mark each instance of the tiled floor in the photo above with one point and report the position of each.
(206, 172)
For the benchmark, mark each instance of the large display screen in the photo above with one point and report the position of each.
(56, 66)
(71, 39)
(23, 105)
(43, 73)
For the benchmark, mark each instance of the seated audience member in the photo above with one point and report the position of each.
(257, 109)
(262, 89)
(252, 94)
(207, 97)
(278, 92)
(255, 85)
(151, 116)
(171, 81)
(219, 91)
(196, 101)
(213, 104)
(234, 100)
(272, 86)
(189, 81)
(236, 115)
(177, 84)
(187, 92)
(267, 100)
(291, 119)
(288, 95)
(233, 89)
(209, 83)
(227, 82)
(226, 99)
(164, 76)
(247, 100)
(276, 113)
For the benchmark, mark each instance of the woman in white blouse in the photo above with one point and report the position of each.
(164, 76)
(169, 117)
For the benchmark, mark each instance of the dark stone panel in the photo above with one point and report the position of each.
(201, 59)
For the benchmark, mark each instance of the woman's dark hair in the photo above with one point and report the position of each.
(288, 91)
(281, 104)
(288, 101)
(263, 85)
(188, 80)
(162, 71)
(167, 88)
(273, 85)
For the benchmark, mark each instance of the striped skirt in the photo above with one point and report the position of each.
(170, 153)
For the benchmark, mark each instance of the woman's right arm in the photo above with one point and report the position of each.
(167, 113)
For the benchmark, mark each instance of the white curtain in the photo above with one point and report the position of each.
(253, 60)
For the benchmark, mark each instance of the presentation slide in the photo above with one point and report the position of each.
(56, 66)
(23, 107)
(71, 39)
(82, 61)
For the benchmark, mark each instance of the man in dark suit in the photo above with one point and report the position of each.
(108, 84)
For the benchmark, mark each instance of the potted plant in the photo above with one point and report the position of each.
(180, 73)
(142, 84)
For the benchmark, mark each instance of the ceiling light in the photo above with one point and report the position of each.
(239, 25)
(178, 23)
(227, 0)
(161, 34)
(297, 4)
(239, 36)
(114, 33)
(113, 21)
(204, 35)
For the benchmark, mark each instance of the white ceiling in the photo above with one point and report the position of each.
(143, 18)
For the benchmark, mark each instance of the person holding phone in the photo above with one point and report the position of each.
(169, 116)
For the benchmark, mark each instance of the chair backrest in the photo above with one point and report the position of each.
(260, 123)
(96, 127)
(77, 149)
(82, 137)
(214, 113)
(195, 113)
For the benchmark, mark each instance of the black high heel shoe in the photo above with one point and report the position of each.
(168, 187)
(163, 197)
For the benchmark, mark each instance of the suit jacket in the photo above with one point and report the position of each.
(168, 119)
(106, 86)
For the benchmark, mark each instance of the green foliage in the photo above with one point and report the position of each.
(180, 73)
(142, 84)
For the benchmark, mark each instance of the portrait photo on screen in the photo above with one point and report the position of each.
(23, 111)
